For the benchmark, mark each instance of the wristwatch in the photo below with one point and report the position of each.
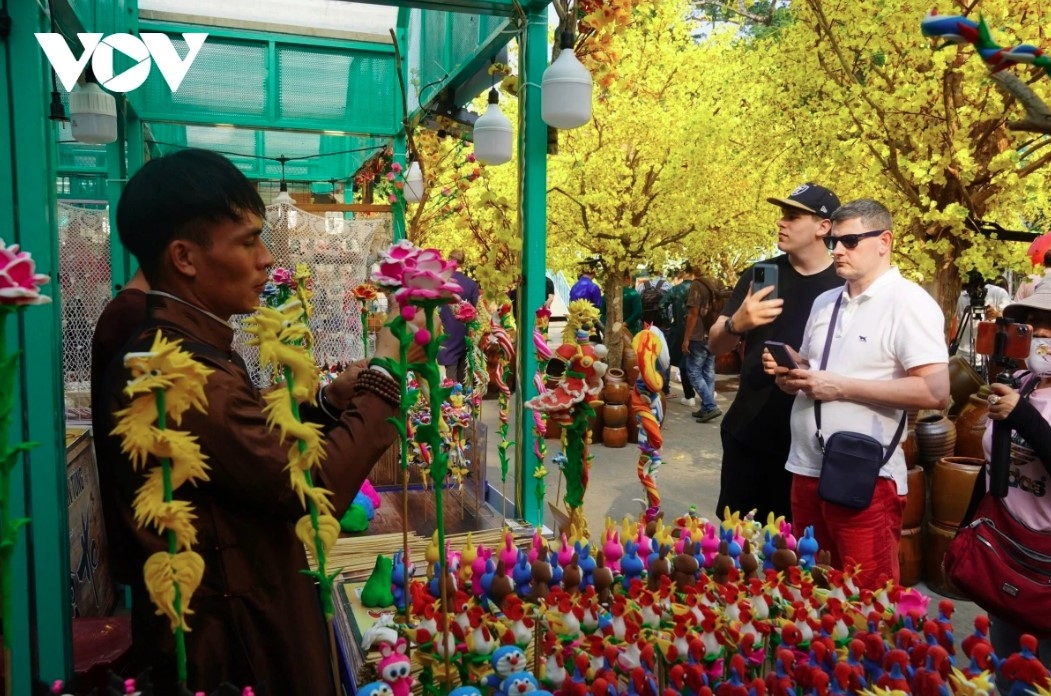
(731, 330)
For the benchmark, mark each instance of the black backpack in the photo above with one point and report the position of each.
(651, 297)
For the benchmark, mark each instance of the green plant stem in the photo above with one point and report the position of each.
(403, 434)
(166, 476)
(364, 331)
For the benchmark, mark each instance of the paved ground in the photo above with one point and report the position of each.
(692, 455)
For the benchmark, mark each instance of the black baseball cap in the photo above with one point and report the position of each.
(811, 198)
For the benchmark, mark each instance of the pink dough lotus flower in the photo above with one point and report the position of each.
(417, 274)
(282, 277)
(465, 311)
(19, 283)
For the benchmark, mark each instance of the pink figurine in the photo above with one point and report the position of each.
(612, 550)
(395, 667)
(509, 554)
(369, 492)
(709, 544)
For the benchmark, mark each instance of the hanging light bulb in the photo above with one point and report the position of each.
(413, 183)
(92, 113)
(283, 197)
(492, 134)
(565, 90)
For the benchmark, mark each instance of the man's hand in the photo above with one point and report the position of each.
(756, 310)
(338, 393)
(816, 384)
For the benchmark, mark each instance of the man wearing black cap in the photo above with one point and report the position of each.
(755, 431)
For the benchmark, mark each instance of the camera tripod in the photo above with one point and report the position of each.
(966, 333)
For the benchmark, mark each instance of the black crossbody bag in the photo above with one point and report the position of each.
(850, 462)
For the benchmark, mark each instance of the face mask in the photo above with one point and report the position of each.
(1039, 360)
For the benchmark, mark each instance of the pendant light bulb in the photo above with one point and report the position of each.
(493, 134)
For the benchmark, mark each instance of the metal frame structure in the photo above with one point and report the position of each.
(29, 165)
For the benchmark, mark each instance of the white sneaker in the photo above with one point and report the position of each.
(691, 402)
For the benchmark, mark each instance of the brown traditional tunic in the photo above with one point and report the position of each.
(257, 620)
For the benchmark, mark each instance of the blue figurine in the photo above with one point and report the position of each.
(768, 550)
(587, 565)
(522, 574)
(556, 569)
(377, 688)
(518, 683)
(365, 502)
(631, 566)
(807, 548)
(508, 660)
(397, 580)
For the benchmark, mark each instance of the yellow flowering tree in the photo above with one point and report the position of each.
(925, 131)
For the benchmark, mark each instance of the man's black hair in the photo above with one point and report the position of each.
(1047, 259)
(176, 197)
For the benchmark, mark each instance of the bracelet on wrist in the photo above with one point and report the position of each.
(730, 328)
(372, 380)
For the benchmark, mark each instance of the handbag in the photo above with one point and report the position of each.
(850, 462)
(1002, 565)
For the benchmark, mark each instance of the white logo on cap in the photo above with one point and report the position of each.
(798, 190)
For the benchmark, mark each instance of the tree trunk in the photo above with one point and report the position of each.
(614, 297)
(946, 283)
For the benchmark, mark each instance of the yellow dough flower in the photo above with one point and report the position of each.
(163, 573)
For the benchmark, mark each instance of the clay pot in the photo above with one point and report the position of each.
(910, 556)
(938, 538)
(615, 415)
(631, 375)
(916, 499)
(970, 427)
(963, 382)
(952, 481)
(629, 358)
(617, 388)
(935, 438)
(910, 450)
(614, 437)
(728, 363)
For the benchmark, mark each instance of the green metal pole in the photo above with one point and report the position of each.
(117, 170)
(532, 163)
(33, 225)
(398, 214)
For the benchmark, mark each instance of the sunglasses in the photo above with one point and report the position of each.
(849, 241)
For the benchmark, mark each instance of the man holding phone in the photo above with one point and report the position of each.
(871, 351)
(755, 432)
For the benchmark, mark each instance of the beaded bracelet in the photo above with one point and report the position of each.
(383, 387)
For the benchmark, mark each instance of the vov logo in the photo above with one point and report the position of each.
(140, 49)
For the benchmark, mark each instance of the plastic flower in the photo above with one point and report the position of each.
(366, 292)
(269, 291)
(19, 282)
(465, 311)
(427, 276)
(399, 257)
(539, 472)
(281, 276)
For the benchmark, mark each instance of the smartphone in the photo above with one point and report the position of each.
(782, 356)
(1017, 338)
(764, 275)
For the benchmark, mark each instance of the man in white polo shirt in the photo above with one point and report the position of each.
(887, 355)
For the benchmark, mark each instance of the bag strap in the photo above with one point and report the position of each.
(980, 489)
(817, 402)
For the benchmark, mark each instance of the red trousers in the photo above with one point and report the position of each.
(869, 537)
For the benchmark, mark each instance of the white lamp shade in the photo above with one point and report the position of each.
(492, 136)
(92, 114)
(413, 184)
(565, 92)
(284, 198)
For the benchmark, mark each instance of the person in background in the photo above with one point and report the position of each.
(978, 301)
(755, 432)
(1030, 421)
(674, 305)
(586, 289)
(195, 224)
(697, 360)
(453, 353)
(886, 355)
(631, 306)
(1029, 286)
